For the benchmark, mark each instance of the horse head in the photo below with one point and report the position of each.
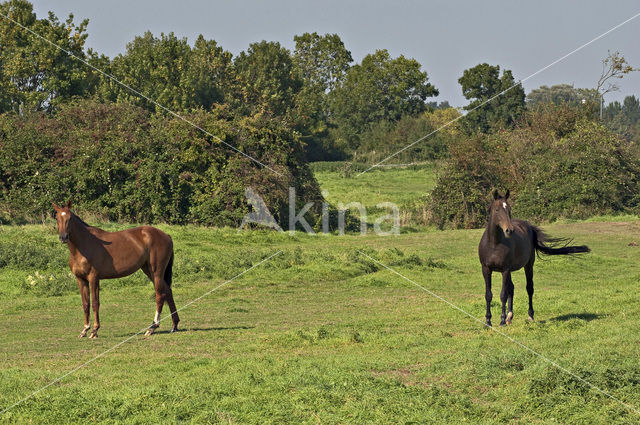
(63, 218)
(500, 213)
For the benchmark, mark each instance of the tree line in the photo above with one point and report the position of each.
(315, 90)
(282, 107)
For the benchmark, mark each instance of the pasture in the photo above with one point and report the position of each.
(403, 186)
(320, 334)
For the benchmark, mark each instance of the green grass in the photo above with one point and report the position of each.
(398, 185)
(319, 334)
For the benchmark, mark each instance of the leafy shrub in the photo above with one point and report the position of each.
(386, 138)
(556, 163)
(122, 163)
(49, 283)
(459, 198)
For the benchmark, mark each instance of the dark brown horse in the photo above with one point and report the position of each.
(97, 254)
(508, 245)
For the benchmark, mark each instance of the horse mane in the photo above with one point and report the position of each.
(81, 220)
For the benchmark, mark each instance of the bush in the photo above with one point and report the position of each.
(122, 163)
(556, 162)
(386, 138)
(459, 198)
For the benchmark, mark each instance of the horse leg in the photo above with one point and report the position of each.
(83, 286)
(488, 296)
(161, 294)
(504, 294)
(94, 283)
(510, 291)
(172, 307)
(528, 272)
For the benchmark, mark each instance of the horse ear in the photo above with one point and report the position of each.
(496, 195)
(506, 195)
(55, 207)
(69, 204)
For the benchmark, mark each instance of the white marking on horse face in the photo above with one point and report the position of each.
(157, 318)
(504, 205)
(63, 213)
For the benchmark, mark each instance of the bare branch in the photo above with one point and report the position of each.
(613, 66)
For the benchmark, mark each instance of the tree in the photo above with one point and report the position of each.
(378, 89)
(614, 66)
(156, 68)
(210, 72)
(168, 70)
(266, 80)
(505, 99)
(35, 75)
(623, 118)
(631, 109)
(557, 94)
(322, 63)
(435, 105)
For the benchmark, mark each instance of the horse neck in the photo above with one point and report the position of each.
(79, 235)
(493, 231)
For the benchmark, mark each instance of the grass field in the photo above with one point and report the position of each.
(320, 334)
(402, 186)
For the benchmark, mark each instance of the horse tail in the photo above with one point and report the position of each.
(168, 272)
(555, 246)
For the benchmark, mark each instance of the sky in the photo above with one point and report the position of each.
(445, 37)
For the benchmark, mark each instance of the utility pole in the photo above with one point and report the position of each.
(601, 102)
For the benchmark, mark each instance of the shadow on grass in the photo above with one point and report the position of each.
(220, 328)
(587, 317)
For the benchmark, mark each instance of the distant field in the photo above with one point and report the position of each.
(400, 185)
(320, 334)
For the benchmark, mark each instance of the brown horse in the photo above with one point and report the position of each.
(97, 254)
(508, 245)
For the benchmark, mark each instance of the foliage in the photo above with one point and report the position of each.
(558, 94)
(475, 165)
(314, 91)
(614, 66)
(266, 80)
(169, 71)
(503, 96)
(322, 62)
(586, 100)
(556, 162)
(378, 89)
(386, 138)
(35, 75)
(624, 118)
(118, 161)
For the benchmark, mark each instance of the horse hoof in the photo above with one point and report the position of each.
(82, 335)
(149, 332)
(93, 335)
(174, 329)
(509, 317)
(488, 323)
(531, 319)
(502, 323)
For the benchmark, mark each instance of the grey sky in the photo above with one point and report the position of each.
(446, 37)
